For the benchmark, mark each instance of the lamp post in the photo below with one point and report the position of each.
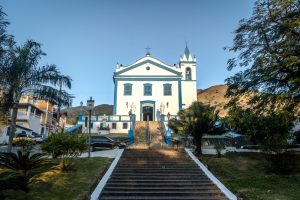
(90, 107)
(81, 105)
(130, 117)
(130, 132)
(168, 136)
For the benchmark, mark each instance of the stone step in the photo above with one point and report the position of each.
(157, 170)
(155, 181)
(161, 193)
(155, 189)
(159, 174)
(157, 184)
(153, 197)
(166, 175)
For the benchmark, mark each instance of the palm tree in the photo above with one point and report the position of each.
(23, 162)
(196, 120)
(11, 180)
(21, 75)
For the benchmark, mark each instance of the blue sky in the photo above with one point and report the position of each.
(86, 38)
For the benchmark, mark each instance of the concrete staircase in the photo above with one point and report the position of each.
(142, 139)
(158, 174)
(140, 135)
(156, 135)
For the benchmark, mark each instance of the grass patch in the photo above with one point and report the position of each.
(245, 175)
(56, 185)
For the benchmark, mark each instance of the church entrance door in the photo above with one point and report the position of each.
(147, 113)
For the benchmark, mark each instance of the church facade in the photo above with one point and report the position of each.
(150, 88)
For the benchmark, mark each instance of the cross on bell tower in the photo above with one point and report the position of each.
(148, 51)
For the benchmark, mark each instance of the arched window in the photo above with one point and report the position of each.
(188, 74)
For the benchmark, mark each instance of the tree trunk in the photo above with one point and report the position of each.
(198, 142)
(13, 124)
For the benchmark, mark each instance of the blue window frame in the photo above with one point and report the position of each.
(147, 89)
(125, 125)
(127, 89)
(167, 89)
(114, 125)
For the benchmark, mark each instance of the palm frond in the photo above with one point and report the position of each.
(23, 162)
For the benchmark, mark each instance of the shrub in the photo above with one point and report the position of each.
(23, 162)
(25, 143)
(10, 180)
(66, 147)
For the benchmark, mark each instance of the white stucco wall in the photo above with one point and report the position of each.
(124, 102)
(189, 93)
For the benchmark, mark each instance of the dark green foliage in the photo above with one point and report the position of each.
(23, 162)
(270, 130)
(63, 145)
(268, 46)
(66, 147)
(196, 120)
(13, 180)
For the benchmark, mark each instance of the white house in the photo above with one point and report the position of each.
(149, 89)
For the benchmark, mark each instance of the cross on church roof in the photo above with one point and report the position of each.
(148, 52)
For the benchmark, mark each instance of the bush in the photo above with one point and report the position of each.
(281, 163)
(25, 143)
(66, 147)
(10, 180)
(23, 162)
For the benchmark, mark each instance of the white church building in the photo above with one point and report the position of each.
(150, 90)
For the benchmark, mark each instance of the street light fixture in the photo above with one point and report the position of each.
(130, 117)
(81, 105)
(90, 107)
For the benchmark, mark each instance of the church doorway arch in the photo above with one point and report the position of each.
(147, 113)
(147, 110)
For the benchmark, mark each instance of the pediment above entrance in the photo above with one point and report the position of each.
(147, 66)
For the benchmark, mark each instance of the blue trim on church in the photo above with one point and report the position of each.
(141, 108)
(115, 96)
(179, 95)
(150, 62)
(147, 79)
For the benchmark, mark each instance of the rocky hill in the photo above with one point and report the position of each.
(214, 96)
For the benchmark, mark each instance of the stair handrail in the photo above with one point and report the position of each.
(148, 131)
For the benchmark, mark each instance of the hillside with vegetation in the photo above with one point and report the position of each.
(73, 112)
(215, 96)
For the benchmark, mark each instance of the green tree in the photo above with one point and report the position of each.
(195, 120)
(6, 42)
(268, 47)
(270, 130)
(22, 75)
